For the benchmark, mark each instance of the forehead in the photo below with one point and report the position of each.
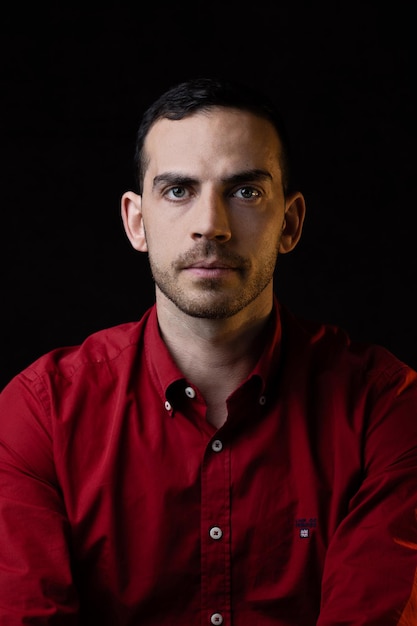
(216, 135)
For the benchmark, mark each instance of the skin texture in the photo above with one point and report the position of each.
(213, 219)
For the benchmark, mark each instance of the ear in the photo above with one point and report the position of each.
(131, 206)
(292, 227)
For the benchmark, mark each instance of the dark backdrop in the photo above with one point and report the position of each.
(74, 82)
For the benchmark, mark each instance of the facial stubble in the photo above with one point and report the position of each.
(210, 298)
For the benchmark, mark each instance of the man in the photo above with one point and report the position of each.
(219, 461)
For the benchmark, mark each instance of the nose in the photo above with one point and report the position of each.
(211, 218)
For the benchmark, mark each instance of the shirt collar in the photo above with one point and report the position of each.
(267, 364)
(166, 373)
(162, 366)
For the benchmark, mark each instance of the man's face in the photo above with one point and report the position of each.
(213, 210)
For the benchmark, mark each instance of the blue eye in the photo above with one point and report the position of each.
(247, 193)
(177, 192)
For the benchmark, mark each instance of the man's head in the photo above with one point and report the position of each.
(214, 210)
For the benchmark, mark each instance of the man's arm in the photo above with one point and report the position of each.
(35, 573)
(371, 564)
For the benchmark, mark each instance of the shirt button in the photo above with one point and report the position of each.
(216, 618)
(216, 532)
(262, 400)
(216, 445)
(168, 406)
(189, 391)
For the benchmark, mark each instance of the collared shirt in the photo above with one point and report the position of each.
(121, 505)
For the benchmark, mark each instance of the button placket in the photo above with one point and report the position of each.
(215, 529)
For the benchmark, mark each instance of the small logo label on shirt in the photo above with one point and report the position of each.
(305, 525)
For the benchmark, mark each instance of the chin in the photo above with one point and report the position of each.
(211, 310)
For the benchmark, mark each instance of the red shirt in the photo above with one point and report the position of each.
(120, 505)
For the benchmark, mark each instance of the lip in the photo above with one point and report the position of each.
(210, 263)
(210, 269)
(210, 272)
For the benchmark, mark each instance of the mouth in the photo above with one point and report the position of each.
(210, 261)
(213, 268)
(210, 265)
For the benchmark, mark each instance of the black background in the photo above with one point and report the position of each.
(74, 83)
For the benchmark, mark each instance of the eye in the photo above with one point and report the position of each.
(176, 193)
(247, 193)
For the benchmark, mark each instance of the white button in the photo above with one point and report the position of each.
(216, 618)
(190, 392)
(216, 445)
(168, 406)
(216, 532)
(262, 400)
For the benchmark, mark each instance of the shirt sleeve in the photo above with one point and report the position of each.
(36, 584)
(371, 563)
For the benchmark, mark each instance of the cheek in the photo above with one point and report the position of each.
(264, 239)
(156, 231)
(265, 223)
(162, 245)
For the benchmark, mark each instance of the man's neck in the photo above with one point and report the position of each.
(214, 355)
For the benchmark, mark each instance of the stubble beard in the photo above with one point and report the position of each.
(210, 298)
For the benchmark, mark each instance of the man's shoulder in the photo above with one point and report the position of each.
(326, 346)
(104, 348)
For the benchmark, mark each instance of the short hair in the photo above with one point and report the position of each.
(202, 94)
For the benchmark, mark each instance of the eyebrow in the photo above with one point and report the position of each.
(248, 176)
(245, 176)
(173, 178)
